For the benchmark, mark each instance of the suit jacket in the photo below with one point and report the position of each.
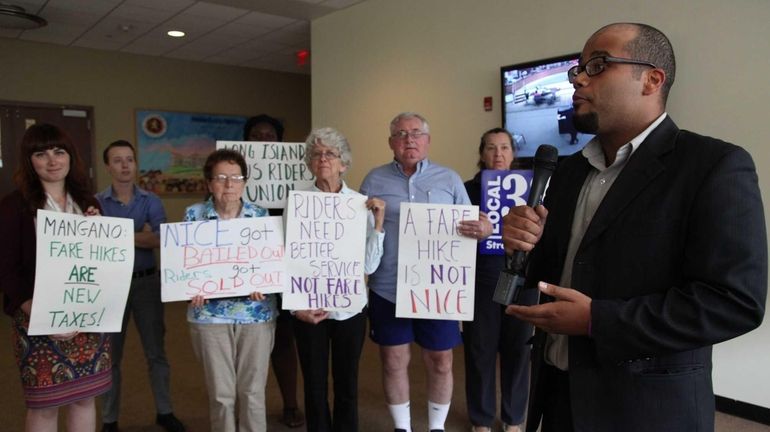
(675, 260)
(17, 258)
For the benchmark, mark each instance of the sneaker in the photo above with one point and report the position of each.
(169, 422)
(110, 427)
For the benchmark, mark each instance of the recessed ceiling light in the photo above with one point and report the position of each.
(175, 33)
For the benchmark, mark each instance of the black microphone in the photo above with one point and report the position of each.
(511, 279)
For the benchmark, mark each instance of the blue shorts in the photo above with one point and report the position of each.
(386, 329)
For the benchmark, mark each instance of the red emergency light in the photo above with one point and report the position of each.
(302, 56)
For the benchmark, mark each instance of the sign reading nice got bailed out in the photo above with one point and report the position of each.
(83, 273)
(221, 258)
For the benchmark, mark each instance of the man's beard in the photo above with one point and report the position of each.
(586, 123)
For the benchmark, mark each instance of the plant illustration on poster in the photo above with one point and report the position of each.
(173, 146)
(83, 273)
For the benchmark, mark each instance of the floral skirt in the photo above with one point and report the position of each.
(56, 373)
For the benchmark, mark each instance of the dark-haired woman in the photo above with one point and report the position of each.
(492, 332)
(232, 337)
(60, 370)
(284, 357)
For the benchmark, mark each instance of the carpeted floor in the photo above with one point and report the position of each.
(189, 393)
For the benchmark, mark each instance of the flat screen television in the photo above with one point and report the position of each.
(537, 106)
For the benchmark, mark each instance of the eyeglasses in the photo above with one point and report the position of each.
(325, 155)
(402, 134)
(222, 178)
(596, 65)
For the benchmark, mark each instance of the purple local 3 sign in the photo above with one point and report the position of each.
(501, 190)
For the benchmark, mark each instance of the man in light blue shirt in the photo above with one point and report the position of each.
(124, 199)
(410, 177)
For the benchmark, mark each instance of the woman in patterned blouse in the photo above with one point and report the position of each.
(232, 337)
(64, 370)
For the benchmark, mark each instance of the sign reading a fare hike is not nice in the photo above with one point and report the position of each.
(83, 273)
(436, 265)
(221, 258)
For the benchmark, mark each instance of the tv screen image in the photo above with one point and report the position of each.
(537, 106)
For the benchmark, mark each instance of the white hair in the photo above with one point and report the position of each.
(328, 137)
(409, 115)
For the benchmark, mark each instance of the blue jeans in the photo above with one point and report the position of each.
(144, 303)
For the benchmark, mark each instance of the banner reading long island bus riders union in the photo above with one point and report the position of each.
(274, 170)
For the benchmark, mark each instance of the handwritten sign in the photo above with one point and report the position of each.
(501, 190)
(325, 243)
(275, 169)
(83, 275)
(221, 258)
(436, 265)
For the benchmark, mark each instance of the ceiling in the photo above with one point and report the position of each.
(262, 34)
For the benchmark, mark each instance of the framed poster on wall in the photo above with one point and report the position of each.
(173, 146)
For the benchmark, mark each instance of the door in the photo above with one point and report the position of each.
(16, 117)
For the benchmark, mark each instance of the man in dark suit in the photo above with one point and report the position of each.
(654, 249)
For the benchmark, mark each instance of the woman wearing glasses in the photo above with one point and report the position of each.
(340, 334)
(232, 337)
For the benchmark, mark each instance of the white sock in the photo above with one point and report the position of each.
(402, 418)
(437, 414)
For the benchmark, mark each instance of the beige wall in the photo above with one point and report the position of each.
(115, 84)
(441, 57)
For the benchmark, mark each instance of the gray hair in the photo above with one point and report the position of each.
(329, 137)
(409, 115)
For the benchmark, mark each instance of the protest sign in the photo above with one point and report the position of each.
(436, 265)
(274, 169)
(325, 243)
(83, 273)
(221, 258)
(500, 191)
